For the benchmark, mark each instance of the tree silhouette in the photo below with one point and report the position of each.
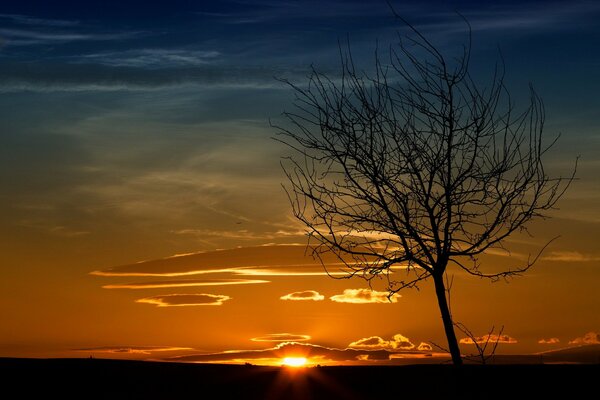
(415, 166)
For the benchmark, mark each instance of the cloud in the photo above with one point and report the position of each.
(491, 338)
(240, 233)
(164, 71)
(272, 260)
(29, 20)
(305, 295)
(552, 340)
(424, 347)
(183, 283)
(131, 349)
(588, 338)
(372, 342)
(179, 300)
(363, 296)
(316, 354)
(398, 342)
(523, 18)
(151, 58)
(276, 11)
(281, 337)
(23, 37)
(570, 256)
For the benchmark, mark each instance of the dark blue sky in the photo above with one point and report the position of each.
(119, 73)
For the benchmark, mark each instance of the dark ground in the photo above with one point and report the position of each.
(114, 379)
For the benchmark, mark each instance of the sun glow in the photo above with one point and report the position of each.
(294, 361)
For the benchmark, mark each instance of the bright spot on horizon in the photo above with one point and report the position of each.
(294, 361)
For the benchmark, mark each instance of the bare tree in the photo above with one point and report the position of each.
(485, 346)
(410, 168)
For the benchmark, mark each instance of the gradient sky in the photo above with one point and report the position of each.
(134, 130)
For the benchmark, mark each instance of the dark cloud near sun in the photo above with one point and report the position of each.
(281, 337)
(303, 296)
(182, 300)
(315, 353)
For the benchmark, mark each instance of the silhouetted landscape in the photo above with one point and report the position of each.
(117, 379)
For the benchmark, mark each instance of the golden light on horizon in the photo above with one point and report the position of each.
(295, 362)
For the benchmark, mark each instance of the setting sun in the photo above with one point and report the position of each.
(294, 361)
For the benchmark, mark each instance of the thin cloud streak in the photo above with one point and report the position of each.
(532, 17)
(131, 349)
(183, 283)
(81, 75)
(286, 260)
(281, 337)
(288, 271)
(277, 11)
(570, 256)
(185, 300)
(12, 36)
(29, 20)
(151, 58)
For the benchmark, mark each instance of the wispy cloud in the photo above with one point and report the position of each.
(551, 340)
(271, 11)
(397, 342)
(588, 338)
(281, 337)
(183, 283)
(304, 295)
(81, 74)
(272, 260)
(364, 296)
(151, 58)
(31, 20)
(491, 338)
(132, 349)
(239, 234)
(182, 300)
(570, 256)
(46, 226)
(512, 18)
(21, 37)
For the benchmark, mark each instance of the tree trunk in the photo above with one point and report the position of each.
(440, 291)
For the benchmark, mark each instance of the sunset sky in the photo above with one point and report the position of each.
(141, 207)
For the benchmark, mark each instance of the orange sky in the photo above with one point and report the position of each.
(258, 297)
